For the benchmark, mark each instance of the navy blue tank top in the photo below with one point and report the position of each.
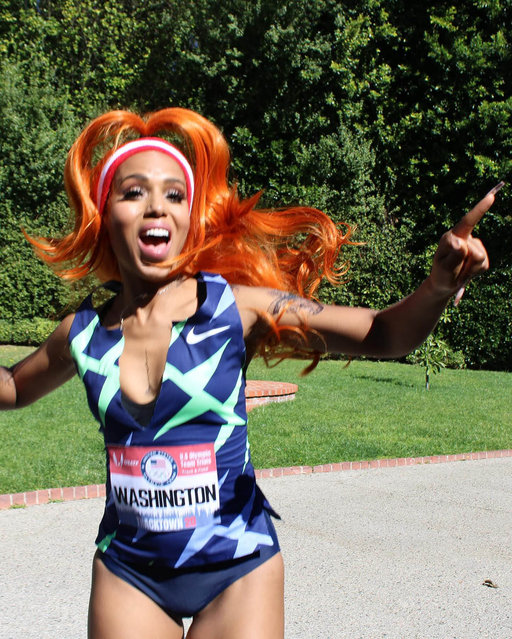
(181, 491)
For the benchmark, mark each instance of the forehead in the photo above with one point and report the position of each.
(150, 164)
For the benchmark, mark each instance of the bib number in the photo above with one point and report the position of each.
(166, 488)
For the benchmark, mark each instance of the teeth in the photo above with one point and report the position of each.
(156, 233)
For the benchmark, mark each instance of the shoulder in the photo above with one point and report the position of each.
(273, 301)
(251, 298)
(260, 306)
(57, 344)
(99, 306)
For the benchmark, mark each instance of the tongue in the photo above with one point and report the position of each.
(153, 248)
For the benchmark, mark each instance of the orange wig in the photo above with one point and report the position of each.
(290, 249)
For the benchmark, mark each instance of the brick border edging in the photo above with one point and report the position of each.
(380, 463)
(259, 392)
(47, 495)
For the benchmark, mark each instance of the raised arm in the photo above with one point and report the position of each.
(42, 371)
(391, 332)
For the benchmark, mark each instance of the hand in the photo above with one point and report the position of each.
(460, 256)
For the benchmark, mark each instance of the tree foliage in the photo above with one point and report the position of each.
(36, 128)
(390, 115)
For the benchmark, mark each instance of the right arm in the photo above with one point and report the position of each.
(44, 370)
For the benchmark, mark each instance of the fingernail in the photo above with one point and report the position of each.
(497, 188)
(458, 296)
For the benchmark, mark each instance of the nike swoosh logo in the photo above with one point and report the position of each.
(195, 338)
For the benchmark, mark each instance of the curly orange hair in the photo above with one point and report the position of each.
(290, 249)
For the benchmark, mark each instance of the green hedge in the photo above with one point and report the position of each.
(395, 116)
(26, 332)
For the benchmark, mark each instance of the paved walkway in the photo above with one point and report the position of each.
(396, 552)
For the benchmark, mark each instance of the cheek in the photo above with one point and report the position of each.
(184, 228)
(117, 235)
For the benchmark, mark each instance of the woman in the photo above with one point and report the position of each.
(186, 531)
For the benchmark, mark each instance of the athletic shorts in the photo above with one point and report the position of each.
(183, 592)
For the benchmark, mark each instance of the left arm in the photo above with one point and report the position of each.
(394, 331)
(391, 332)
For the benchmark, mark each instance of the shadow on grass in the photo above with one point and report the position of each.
(385, 380)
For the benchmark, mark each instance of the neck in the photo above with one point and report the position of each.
(134, 300)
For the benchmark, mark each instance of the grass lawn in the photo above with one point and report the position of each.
(364, 411)
(371, 410)
(54, 442)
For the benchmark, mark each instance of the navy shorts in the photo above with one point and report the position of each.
(183, 592)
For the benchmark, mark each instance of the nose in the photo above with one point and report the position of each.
(155, 204)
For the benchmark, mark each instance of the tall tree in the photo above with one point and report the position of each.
(390, 114)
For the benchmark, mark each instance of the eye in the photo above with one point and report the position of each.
(175, 195)
(132, 193)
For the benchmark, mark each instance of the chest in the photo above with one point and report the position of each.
(194, 368)
(142, 362)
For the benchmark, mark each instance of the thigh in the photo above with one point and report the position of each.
(252, 607)
(117, 609)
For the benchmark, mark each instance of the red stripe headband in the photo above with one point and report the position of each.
(138, 146)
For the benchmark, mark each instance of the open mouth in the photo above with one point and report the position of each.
(155, 236)
(154, 243)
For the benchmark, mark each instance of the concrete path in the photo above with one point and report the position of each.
(398, 553)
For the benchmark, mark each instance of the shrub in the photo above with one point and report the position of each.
(26, 332)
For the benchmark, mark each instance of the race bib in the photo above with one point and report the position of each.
(165, 488)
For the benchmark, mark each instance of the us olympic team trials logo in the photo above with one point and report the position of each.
(159, 468)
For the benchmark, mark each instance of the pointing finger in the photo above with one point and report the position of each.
(465, 226)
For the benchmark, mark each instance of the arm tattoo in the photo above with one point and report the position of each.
(293, 303)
